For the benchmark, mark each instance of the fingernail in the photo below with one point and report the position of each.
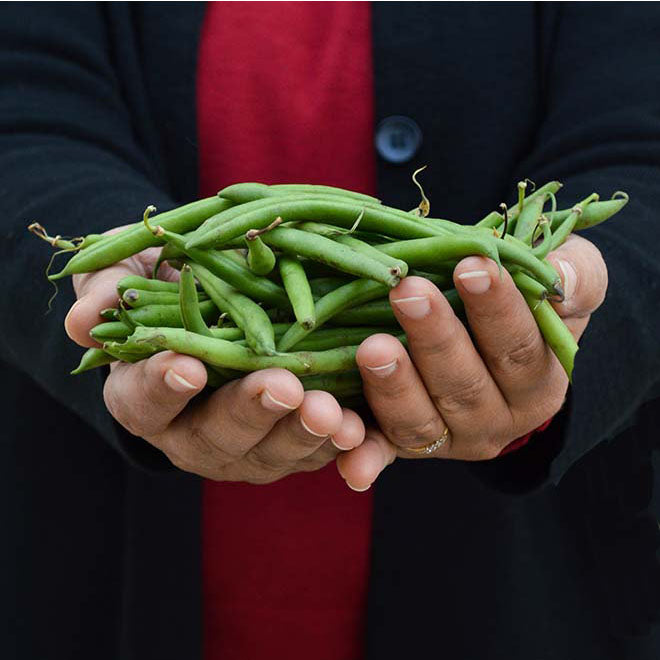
(332, 440)
(68, 317)
(475, 281)
(570, 278)
(415, 307)
(318, 435)
(178, 383)
(384, 369)
(358, 490)
(269, 402)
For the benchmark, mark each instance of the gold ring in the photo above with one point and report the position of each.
(432, 446)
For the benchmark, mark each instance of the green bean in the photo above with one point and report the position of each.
(191, 317)
(331, 253)
(340, 385)
(240, 193)
(528, 218)
(374, 313)
(326, 338)
(373, 252)
(245, 312)
(145, 284)
(247, 216)
(193, 322)
(221, 353)
(170, 315)
(232, 272)
(553, 329)
(425, 252)
(260, 258)
(92, 358)
(136, 298)
(442, 280)
(566, 227)
(137, 237)
(542, 250)
(322, 285)
(349, 295)
(298, 289)
(379, 312)
(592, 215)
(130, 352)
(111, 330)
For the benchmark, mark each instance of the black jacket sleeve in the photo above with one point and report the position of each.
(70, 158)
(601, 132)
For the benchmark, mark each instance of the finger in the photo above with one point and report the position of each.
(145, 397)
(361, 466)
(455, 376)
(224, 427)
(505, 331)
(95, 291)
(299, 435)
(396, 393)
(584, 277)
(351, 432)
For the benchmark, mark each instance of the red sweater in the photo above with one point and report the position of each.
(285, 95)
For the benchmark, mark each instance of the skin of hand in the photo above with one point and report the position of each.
(257, 429)
(487, 390)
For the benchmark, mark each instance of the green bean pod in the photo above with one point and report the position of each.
(374, 313)
(146, 284)
(426, 252)
(254, 321)
(298, 289)
(349, 295)
(241, 193)
(327, 251)
(530, 215)
(553, 329)
(221, 353)
(542, 250)
(92, 358)
(170, 315)
(322, 285)
(565, 228)
(191, 317)
(339, 385)
(326, 338)
(137, 237)
(110, 331)
(260, 258)
(592, 215)
(136, 298)
(339, 213)
(373, 252)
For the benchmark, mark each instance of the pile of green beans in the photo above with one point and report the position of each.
(297, 276)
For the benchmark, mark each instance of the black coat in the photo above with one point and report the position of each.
(547, 554)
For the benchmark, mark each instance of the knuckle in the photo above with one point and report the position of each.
(402, 432)
(264, 468)
(527, 352)
(466, 394)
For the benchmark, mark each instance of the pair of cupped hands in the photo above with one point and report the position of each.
(478, 393)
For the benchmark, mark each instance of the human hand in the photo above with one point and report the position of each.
(256, 429)
(478, 395)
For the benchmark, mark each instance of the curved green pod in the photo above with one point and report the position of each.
(221, 353)
(137, 237)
